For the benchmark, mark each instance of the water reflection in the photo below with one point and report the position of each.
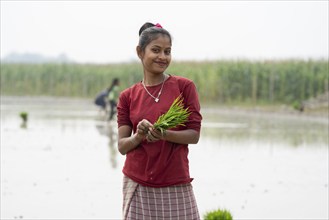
(289, 130)
(108, 129)
(258, 166)
(112, 144)
(23, 125)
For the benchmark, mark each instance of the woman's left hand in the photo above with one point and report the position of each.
(154, 135)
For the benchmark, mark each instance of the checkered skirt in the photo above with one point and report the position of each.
(173, 202)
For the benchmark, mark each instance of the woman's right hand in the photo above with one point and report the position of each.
(128, 142)
(143, 127)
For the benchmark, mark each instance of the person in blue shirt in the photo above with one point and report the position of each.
(101, 100)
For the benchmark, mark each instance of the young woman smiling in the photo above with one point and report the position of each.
(157, 183)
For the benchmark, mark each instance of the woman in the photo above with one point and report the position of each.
(156, 182)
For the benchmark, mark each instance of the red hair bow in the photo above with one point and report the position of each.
(158, 25)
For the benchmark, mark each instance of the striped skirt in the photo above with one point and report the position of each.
(173, 202)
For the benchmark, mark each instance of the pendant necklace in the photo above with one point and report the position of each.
(156, 99)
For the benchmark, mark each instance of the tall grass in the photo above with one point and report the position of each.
(239, 81)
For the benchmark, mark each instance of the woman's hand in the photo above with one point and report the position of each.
(128, 142)
(143, 128)
(154, 135)
(188, 136)
(146, 131)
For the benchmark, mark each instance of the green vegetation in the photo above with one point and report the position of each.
(229, 82)
(23, 116)
(218, 215)
(175, 116)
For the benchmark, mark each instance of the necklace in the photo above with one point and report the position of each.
(156, 99)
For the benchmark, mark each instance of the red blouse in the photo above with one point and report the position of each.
(160, 163)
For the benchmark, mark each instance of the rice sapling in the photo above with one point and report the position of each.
(23, 115)
(175, 116)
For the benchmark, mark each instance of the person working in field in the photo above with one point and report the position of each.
(113, 97)
(107, 99)
(157, 182)
(101, 101)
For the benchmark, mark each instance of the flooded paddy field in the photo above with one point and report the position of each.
(64, 164)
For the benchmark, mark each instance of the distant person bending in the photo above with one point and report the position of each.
(101, 100)
(113, 97)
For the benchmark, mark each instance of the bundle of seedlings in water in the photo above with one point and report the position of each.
(23, 115)
(177, 115)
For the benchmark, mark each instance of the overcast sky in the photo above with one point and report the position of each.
(107, 31)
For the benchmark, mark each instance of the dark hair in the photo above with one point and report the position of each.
(149, 32)
(115, 81)
(145, 26)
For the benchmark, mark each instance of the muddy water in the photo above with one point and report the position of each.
(63, 163)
